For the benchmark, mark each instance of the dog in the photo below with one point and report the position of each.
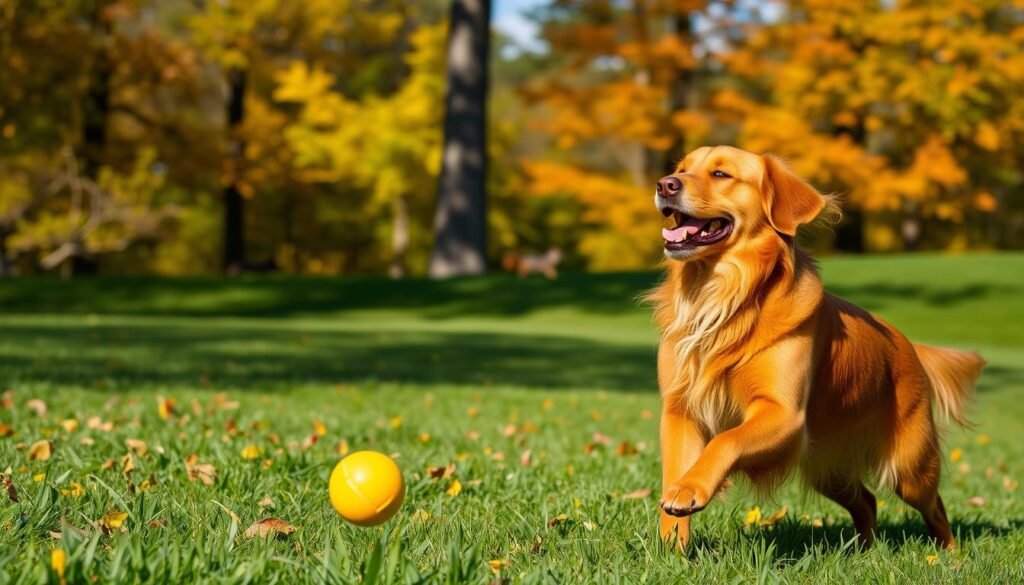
(761, 371)
(526, 264)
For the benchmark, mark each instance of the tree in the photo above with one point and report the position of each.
(460, 223)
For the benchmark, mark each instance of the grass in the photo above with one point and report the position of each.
(473, 372)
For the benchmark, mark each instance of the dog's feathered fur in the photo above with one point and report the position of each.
(762, 371)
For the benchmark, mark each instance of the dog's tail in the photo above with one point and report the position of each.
(953, 374)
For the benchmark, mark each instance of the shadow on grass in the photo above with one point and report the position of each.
(118, 357)
(875, 296)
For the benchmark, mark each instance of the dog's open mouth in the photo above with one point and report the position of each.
(682, 231)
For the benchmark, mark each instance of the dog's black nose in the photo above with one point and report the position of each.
(669, 186)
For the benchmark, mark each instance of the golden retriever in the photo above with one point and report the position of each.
(761, 371)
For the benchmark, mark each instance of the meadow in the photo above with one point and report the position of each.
(146, 424)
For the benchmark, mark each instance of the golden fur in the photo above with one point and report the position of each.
(762, 371)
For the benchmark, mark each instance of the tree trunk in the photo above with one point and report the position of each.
(910, 227)
(234, 204)
(6, 270)
(460, 222)
(399, 238)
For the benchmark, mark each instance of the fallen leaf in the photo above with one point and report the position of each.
(148, 483)
(58, 558)
(441, 472)
(309, 441)
(424, 438)
(421, 515)
(625, 448)
(127, 464)
(497, 565)
(977, 502)
(39, 477)
(778, 515)
(472, 435)
(637, 495)
(74, 491)
(557, 520)
(474, 483)
(165, 407)
(203, 472)
(37, 405)
(956, 454)
(138, 446)
(753, 516)
(221, 401)
(524, 459)
(548, 404)
(108, 464)
(342, 448)
(158, 523)
(251, 452)
(266, 502)
(984, 439)
(590, 526)
(40, 451)
(454, 489)
(6, 430)
(319, 428)
(12, 492)
(472, 412)
(395, 422)
(1010, 484)
(87, 441)
(112, 520)
(269, 527)
(70, 424)
(817, 523)
(96, 423)
(601, 439)
(932, 559)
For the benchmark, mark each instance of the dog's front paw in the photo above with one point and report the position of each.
(683, 499)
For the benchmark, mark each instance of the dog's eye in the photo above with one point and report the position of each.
(720, 175)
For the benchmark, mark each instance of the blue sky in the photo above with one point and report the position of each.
(508, 18)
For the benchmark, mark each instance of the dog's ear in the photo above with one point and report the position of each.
(788, 200)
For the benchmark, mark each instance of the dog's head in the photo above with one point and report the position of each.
(720, 197)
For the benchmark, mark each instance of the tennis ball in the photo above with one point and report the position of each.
(366, 488)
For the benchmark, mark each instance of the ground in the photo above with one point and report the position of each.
(541, 395)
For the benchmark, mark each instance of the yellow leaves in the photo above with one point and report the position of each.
(987, 136)
(38, 406)
(269, 527)
(441, 472)
(197, 471)
(319, 428)
(455, 488)
(299, 83)
(75, 490)
(112, 520)
(342, 448)
(6, 430)
(753, 517)
(39, 477)
(165, 407)
(932, 559)
(70, 425)
(395, 422)
(251, 452)
(40, 451)
(956, 454)
(498, 565)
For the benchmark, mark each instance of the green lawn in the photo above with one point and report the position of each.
(487, 374)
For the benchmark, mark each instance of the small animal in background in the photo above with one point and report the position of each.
(525, 264)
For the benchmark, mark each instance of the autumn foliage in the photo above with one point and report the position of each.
(116, 143)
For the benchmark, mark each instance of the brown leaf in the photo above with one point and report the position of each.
(158, 523)
(6, 430)
(203, 472)
(269, 527)
(40, 451)
(558, 520)
(12, 492)
(441, 472)
(508, 431)
(37, 405)
(601, 439)
(778, 515)
(308, 443)
(108, 464)
(977, 502)
(625, 448)
(266, 502)
(637, 495)
(127, 464)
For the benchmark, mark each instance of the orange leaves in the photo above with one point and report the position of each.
(165, 407)
(197, 471)
(269, 527)
(6, 430)
(455, 488)
(251, 452)
(113, 520)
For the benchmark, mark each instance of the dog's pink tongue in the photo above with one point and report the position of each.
(689, 227)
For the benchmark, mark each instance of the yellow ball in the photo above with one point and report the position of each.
(366, 488)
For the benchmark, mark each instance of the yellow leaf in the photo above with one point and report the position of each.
(983, 439)
(472, 412)
(455, 489)
(6, 430)
(75, 491)
(342, 447)
(548, 404)
(932, 559)
(147, 484)
(39, 477)
(319, 428)
(138, 446)
(58, 559)
(576, 503)
(421, 515)
(251, 452)
(165, 406)
(753, 516)
(424, 437)
(40, 451)
(395, 422)
(37, 405)
(956, 454)
(113, 519)
(70, 425)
(497, 565)
(203, 472)
(779, 515)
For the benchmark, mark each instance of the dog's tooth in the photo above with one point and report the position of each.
(703, 233)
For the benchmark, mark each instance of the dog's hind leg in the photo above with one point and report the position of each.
(858, 501)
